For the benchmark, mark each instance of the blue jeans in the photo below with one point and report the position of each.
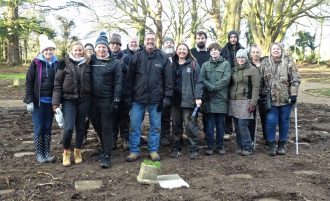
(42, 117)
(278, 115)
(74, 113)
(216, 120)
(137, 115)
(243, 137)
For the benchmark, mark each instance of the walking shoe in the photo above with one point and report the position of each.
(222, 151)
(66, 158)
(209, 152)
(175, 153)
(281, 148)
(41, 159)
(227, 136)
(132, 157)
(246, 153)
(272, 148)
(154, 156)
(49, 159)
(106, 161)
(193, 155)
(164, 141)
(77, 156)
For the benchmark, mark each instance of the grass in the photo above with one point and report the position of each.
(319, 92)
(155, 164)
(10, 76)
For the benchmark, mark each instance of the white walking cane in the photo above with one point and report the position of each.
(296, 127)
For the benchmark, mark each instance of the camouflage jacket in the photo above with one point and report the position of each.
(281, 77)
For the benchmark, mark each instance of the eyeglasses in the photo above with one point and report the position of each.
(118, 44)
(240, 57)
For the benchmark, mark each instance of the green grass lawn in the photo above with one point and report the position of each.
(319, 92)
(9, 76)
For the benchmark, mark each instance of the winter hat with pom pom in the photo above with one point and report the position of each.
(102, 39)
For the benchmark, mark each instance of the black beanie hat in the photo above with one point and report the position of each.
(231, 33)
(102, 39)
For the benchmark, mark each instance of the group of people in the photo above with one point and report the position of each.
(114, 89)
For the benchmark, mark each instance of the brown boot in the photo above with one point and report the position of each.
(66, 158)
(77, 156)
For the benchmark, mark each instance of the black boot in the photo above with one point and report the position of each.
(272, 148)
(281, 148)
(106, 161)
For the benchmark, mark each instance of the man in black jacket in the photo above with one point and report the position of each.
(228, 52)
(149, 85)
(106, 92)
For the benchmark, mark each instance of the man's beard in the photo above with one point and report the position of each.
(134, 49)
(201, 45)
(168, 50)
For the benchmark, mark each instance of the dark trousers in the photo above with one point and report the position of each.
(102, 120)
(166, 123)
(228, 124)
(215, 120)
(74, 114)
(121, 122)
(180, 118)
(252, 126)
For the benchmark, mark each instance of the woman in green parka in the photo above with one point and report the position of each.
(244, 94)
(216, 77)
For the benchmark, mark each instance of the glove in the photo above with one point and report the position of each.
(30, 107)
(251, 108)
(115, 105)
(59, 117)
(166, 102)
(129, 102)
(293, 99)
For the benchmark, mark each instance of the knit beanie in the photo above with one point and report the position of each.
(45, 43)
(242, 53)
(102, 39)
(167, 38)
(231, 33)
(115, 38)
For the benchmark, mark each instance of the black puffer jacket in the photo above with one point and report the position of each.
(106, 77)
(149, 78)
(72, 81)
(228, 52)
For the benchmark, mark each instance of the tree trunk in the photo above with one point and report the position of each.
(194, 23)
(13, 57)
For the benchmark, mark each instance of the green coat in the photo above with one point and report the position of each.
(216, 78)
(245, 82)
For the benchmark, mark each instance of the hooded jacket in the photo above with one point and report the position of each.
(281, 77)
(40, 79)
(106, 77)
(245, 82)
(216, 77)
(70, 84)
(149, 77)
(188, 85)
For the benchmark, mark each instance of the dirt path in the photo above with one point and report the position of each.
(306, 98)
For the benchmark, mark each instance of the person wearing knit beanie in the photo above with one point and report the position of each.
(45, 43)
(102, 39)
(168, 46)
(242, 53)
